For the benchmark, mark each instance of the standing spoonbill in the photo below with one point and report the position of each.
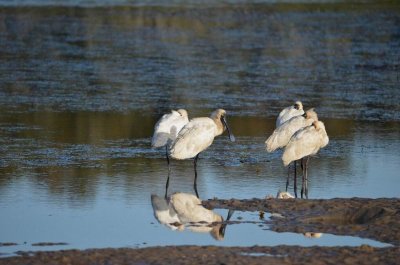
(289, 112)
(166, 130)
(302, 145)
(281, 137)
(197, 136)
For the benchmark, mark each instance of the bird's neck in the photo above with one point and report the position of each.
(220, 127)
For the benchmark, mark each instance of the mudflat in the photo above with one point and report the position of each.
(368, 218)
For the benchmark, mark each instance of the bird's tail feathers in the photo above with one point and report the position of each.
(288, 156)
(270, 144)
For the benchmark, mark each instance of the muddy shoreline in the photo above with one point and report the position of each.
(215, 255)
(369, 218)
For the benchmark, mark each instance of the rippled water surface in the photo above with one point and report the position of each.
(83, 83)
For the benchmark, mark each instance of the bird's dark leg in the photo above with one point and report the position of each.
(302, 177)
(195, 175)
(167, 156)
(306, 176)
(295, 180)
(169, 171)
(287, 179)
(166, 186)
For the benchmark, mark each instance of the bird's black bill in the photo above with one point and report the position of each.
(230, 213)
(223, 226)
(231, 136)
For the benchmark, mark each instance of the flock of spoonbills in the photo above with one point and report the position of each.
(299, 132)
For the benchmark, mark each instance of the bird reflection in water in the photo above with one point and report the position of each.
(183, 210)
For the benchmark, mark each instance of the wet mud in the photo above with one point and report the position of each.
(215, 255)
(370, 218)
(42, 244)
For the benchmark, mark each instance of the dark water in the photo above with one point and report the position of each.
(82, 85)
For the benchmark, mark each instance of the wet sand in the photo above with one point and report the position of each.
(369, 218)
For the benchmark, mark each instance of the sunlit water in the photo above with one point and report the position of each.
(82, 86)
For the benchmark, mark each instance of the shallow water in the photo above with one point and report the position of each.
(82, 86)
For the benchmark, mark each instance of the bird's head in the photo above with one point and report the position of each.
(217, 114)
(182, 112)
(220, 115)
(311, 114)
(298, 105)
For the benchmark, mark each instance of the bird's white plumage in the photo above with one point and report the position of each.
(197, 218)
(195, 137)
(281, 135)
(305, 142)
(198, 135)
(168, 127)
(289, 112)
(189, 209)
(164, 213)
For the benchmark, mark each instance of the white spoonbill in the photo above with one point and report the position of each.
(197, 136)
(183, 210)
(281, 136)
(166, 130)
(289, 112)
(168, 127)
(302, 145)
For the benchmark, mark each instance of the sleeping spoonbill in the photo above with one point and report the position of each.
(166, 130)
(197, 136)
(302, 145)
(281, 136)
(289, 112)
